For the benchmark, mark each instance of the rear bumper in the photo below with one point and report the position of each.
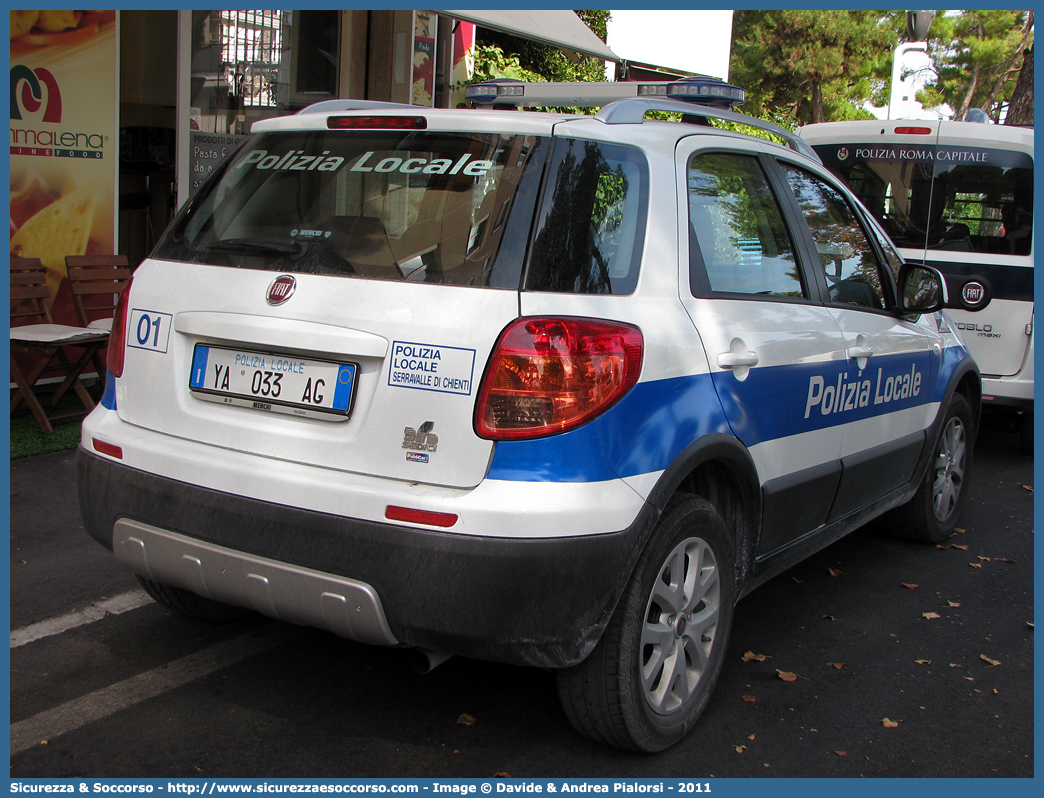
(534, 601)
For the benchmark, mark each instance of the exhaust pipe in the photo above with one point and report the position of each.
(424, 660)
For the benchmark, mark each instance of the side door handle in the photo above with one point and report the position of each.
(731, 360)
(860, 351)
(738, 359)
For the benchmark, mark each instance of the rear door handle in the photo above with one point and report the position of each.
(731, 360)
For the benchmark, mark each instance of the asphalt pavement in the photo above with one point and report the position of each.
(907, 660)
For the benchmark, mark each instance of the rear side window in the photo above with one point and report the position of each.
(423, 207)
(591, 222)
(738, 241)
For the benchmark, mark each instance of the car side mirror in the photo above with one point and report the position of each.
(923, 289)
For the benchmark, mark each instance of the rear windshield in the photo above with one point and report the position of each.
(426, 207)
(958, 199)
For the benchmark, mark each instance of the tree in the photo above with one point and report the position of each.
(811, 66)
(1020, 109)
(543, 60)
(977, 55)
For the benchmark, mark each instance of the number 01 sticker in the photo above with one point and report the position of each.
(149, 329)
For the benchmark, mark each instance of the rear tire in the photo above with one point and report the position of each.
(645, 684)
(191, 605)
(931, 515)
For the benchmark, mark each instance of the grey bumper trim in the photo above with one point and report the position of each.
(290, 593)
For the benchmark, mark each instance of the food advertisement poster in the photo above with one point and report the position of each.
(64, 140)
(423, 58)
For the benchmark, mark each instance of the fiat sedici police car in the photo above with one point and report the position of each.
(545, 389)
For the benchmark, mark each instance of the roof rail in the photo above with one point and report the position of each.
(338, 106)
(626, 102)
(632, 111)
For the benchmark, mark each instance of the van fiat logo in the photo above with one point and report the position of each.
(281, 289)
(974, 293)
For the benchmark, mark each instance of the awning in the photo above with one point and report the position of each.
(559, 28)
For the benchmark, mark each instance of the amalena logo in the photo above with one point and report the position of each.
(32, 96)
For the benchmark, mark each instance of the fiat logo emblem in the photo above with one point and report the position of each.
(281, 289)
(974, 293)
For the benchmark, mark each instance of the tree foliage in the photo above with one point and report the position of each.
(546, 62)
(978, 56)
(811, 66)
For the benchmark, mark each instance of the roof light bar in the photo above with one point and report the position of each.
(516, 93)
(707, 91)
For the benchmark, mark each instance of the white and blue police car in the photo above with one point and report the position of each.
(538, 388)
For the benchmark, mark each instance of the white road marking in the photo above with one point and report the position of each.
(79, 712)
(95, 612)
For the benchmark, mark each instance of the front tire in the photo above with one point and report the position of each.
(931, 515)
(651, 675)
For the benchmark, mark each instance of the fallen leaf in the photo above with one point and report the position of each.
(751, 655)
(984, 559)
(931, 616)
(992, 662)
(834, 572)
(799, 581)
(752, 737)
(1028, 487)
(502, 775)
(841, 753)
(1029, 624)
(959, 546)
(829, 618)
(970, 678)
(787, 676)
(909, 586)
(838, 665)
(996, 691)
(975, 564)
(955, 665)
(1005, 559)
(740, 749)
(889, 724)
(923, 661)
(958, 530)
(465, 719)
(749, 699)
(954, 603)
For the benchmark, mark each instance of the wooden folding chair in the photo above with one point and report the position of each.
(96, 282)
(34, 333)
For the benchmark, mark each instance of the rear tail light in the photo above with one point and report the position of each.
(552, 375)
(118, 336)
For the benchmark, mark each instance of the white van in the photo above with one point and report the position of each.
(958, 196)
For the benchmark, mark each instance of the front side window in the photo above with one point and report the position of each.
(738, 241)
(846, 257)
(590, 227)
(423, 207)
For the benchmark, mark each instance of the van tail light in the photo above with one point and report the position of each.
(118, 336)
(551, 375)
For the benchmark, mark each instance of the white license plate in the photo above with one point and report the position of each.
(280, 383)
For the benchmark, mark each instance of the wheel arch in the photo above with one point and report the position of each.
(720, 469)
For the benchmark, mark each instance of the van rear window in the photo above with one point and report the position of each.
(424, 207)
(957, 199)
